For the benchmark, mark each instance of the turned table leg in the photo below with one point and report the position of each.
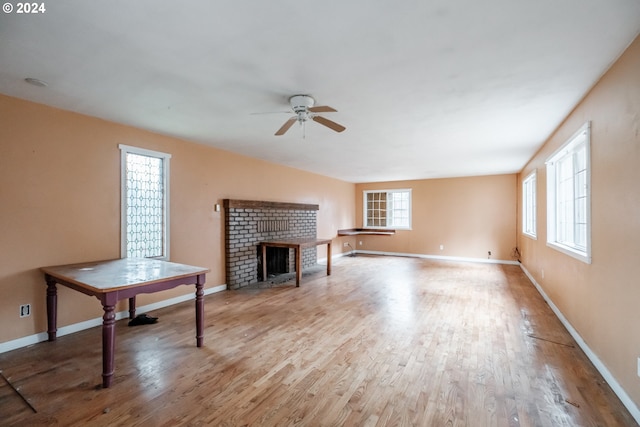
(132, 307)
(200, 311)
(108, 344)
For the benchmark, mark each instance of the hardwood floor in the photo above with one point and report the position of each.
(383, 341)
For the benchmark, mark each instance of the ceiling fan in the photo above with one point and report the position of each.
(303, 108)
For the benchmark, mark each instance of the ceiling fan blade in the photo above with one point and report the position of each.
(322, 109)
(285, 127)
(328, 123)
(272, 112)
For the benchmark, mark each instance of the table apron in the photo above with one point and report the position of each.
(111, 297)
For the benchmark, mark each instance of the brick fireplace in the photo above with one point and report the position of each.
(248, 222)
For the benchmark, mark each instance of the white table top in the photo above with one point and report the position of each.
(121, 273)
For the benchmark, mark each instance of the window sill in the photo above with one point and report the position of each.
(580, 256)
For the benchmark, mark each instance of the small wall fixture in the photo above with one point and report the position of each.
(36, 82)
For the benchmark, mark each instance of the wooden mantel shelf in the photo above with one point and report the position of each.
(257, 204)
(370, 231)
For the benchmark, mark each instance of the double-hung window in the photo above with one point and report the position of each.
(529, 205)
(145, 203)
(568, 197)
(387, 209)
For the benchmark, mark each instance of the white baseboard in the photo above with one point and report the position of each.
(439, 257)
(333, 256)
(76, 327)
(609, 378)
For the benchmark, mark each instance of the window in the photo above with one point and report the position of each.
(568, 197)
(145, 203)
(387, 209)
(529, 205)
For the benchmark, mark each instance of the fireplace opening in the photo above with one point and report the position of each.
(277, 260)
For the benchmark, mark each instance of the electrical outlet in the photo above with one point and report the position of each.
(442, 247)
(345, 244)
(489, 254)
(25, 310)
(360, 242)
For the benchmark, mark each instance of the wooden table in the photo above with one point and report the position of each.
(297, 245)
(114, 280)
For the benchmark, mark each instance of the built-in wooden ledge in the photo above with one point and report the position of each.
(371, 231)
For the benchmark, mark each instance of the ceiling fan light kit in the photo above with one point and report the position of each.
(304, 109)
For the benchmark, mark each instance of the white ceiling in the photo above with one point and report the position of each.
(426, 88)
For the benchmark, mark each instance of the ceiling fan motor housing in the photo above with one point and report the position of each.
(301, 103)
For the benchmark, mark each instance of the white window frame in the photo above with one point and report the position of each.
(388, 226)
(124, 150)
(529, 205)
(567, 152)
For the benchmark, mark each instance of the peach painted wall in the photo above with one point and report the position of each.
(469, 216)
(600, 300)
(60, 203)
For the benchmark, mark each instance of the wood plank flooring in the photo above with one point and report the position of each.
(383, 341)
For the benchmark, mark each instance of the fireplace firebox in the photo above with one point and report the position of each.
(277, 262)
